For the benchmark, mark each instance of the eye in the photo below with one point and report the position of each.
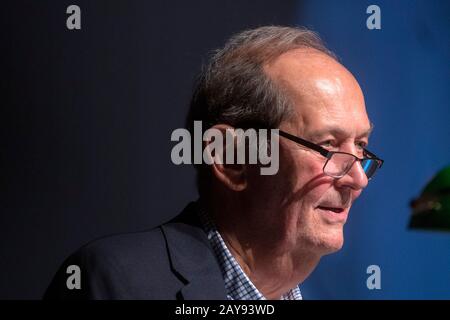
(361, 144)
(328, 143)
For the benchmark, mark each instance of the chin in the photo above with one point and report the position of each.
(334, 245)
(330, 242)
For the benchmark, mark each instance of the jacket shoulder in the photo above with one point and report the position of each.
(172, 261)
(123, 266)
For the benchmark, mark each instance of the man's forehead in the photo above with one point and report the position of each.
(341, 131)
(326, 97)
(302, 62)
(311, 74)
(340, 120)
(342, 117)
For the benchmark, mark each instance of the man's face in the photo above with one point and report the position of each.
(303, 207)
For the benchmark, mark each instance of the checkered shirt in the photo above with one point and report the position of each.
(237, 284)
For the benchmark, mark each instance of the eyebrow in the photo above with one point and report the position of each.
(338, 131)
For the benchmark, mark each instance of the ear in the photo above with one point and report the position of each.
(219, 142)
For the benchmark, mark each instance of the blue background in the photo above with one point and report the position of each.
(404, 71)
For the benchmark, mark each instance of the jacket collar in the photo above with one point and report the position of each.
(192, 258)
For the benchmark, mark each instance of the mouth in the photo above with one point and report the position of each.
(333, 209)
(333, 214)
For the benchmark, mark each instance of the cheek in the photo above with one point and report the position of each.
(316, 193)
(309, 188)
(297, 186)
(310, 182)
(304, 208)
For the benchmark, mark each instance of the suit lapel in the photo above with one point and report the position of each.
(192, 258)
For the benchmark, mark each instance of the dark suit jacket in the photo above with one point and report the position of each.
(172, 261)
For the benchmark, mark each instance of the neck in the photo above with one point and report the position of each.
(272, 263)
(272, 274)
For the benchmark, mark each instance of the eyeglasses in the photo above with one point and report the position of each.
(339, 163)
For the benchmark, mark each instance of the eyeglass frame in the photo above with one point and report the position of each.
(328, 154)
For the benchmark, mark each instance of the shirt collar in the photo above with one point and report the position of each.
(237, 284)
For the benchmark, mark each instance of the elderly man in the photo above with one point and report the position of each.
(250, 236)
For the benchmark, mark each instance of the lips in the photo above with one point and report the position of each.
(333, 209)
(332, 214)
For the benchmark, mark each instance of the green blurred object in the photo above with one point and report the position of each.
(431, 211)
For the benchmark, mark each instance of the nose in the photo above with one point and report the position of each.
(355, 178)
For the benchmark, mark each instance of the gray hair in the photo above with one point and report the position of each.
(233, 88)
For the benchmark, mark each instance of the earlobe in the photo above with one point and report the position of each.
(231, 175)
